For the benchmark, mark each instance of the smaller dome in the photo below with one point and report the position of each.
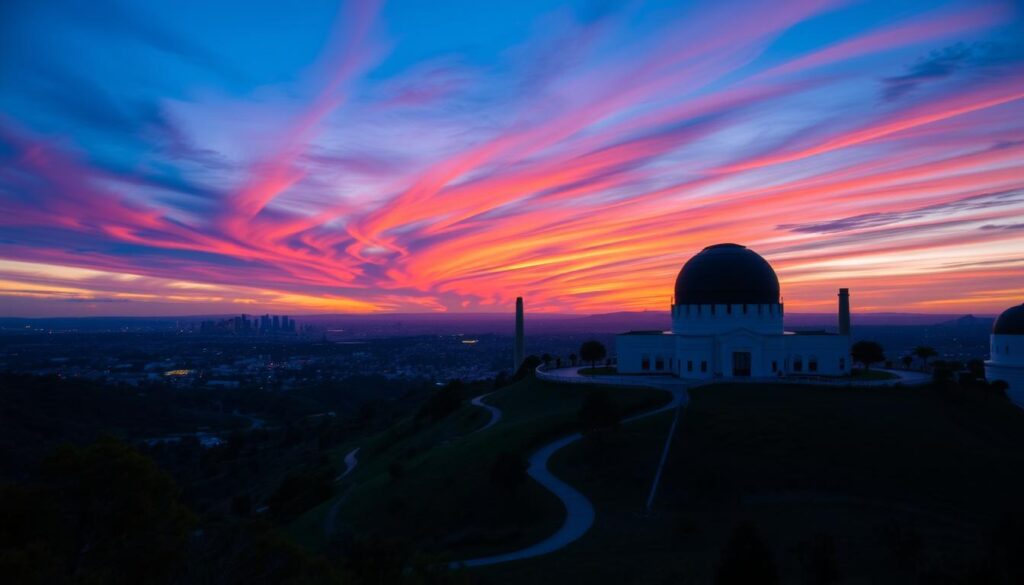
(1011, 322)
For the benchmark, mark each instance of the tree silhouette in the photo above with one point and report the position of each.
(924, 352)
(98, 514)
(546, 358)
(867, 353)
(907, 360)
(592, 351)
(573, 358)
(746, 559)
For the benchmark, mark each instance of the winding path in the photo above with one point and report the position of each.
(330, 521)
(495, 412)
(351, 460)
(579, 512)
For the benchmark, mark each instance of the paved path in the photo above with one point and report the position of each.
(495, 412)
(351, 461)
(579, 512)
(908, 378)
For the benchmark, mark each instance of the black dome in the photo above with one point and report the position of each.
(1011, 322)
(727, 274)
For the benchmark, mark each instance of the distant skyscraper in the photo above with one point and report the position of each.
(277, 323)
(519, 354)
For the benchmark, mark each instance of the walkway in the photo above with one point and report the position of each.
(579, 512)
(495, 412)
(350, 463)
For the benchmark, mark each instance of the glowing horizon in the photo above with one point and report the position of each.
(241, 158)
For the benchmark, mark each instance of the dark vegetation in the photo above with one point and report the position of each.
(104, 483)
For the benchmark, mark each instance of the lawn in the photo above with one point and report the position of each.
(442, 500)
(908, 483)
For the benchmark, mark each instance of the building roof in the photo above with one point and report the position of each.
(1011, 322)
(727, 274)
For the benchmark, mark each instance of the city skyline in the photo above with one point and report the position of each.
(386, 157)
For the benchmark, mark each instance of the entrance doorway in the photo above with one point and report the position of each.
(741, 363)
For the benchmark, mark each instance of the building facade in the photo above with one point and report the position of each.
(1006, 355)
(727, 322)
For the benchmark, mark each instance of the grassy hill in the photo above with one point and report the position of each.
(901, 485)
(430, 485)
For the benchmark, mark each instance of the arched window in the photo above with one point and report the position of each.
(812, 364)
(798, 363)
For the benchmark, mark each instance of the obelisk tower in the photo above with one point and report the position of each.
(519, 356)
(844, 311)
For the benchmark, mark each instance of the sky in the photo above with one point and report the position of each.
(183, 158)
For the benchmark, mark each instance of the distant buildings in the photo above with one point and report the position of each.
(242, 325)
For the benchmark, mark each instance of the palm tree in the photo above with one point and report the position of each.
(924, 352)
(907, 360)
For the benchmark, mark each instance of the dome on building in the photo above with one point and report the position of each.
(1011, 322)
(728, 274)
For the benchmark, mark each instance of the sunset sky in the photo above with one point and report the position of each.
(162, 158)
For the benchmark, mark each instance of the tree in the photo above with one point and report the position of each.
(546, 358)
(924, 352)
(867, 353)
(592, 351)
(746, 559)
(99, 514)
(528, 367)
(907, 360)
(444, 402)
(573, 358)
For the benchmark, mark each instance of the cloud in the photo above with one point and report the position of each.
(958, 59)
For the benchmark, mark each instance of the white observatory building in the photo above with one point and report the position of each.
(1006, 358)
(727, 323)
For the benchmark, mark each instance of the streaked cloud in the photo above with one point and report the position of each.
(359, 159)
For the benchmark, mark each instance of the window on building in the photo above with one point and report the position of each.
(798, 364)
(703, 366)
(645, 362)
(713, 309)
(775, 366)
(728, 309)
(812, 364)
(689, 365)
(744, 308)
(659, 363)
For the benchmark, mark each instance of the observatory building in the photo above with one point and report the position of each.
(727, 322)
(1006, 358)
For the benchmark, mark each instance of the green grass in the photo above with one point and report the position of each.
(444, 502)
(799, 461)
(598, 371)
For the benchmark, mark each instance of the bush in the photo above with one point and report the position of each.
(746, 559)
(444, 401)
